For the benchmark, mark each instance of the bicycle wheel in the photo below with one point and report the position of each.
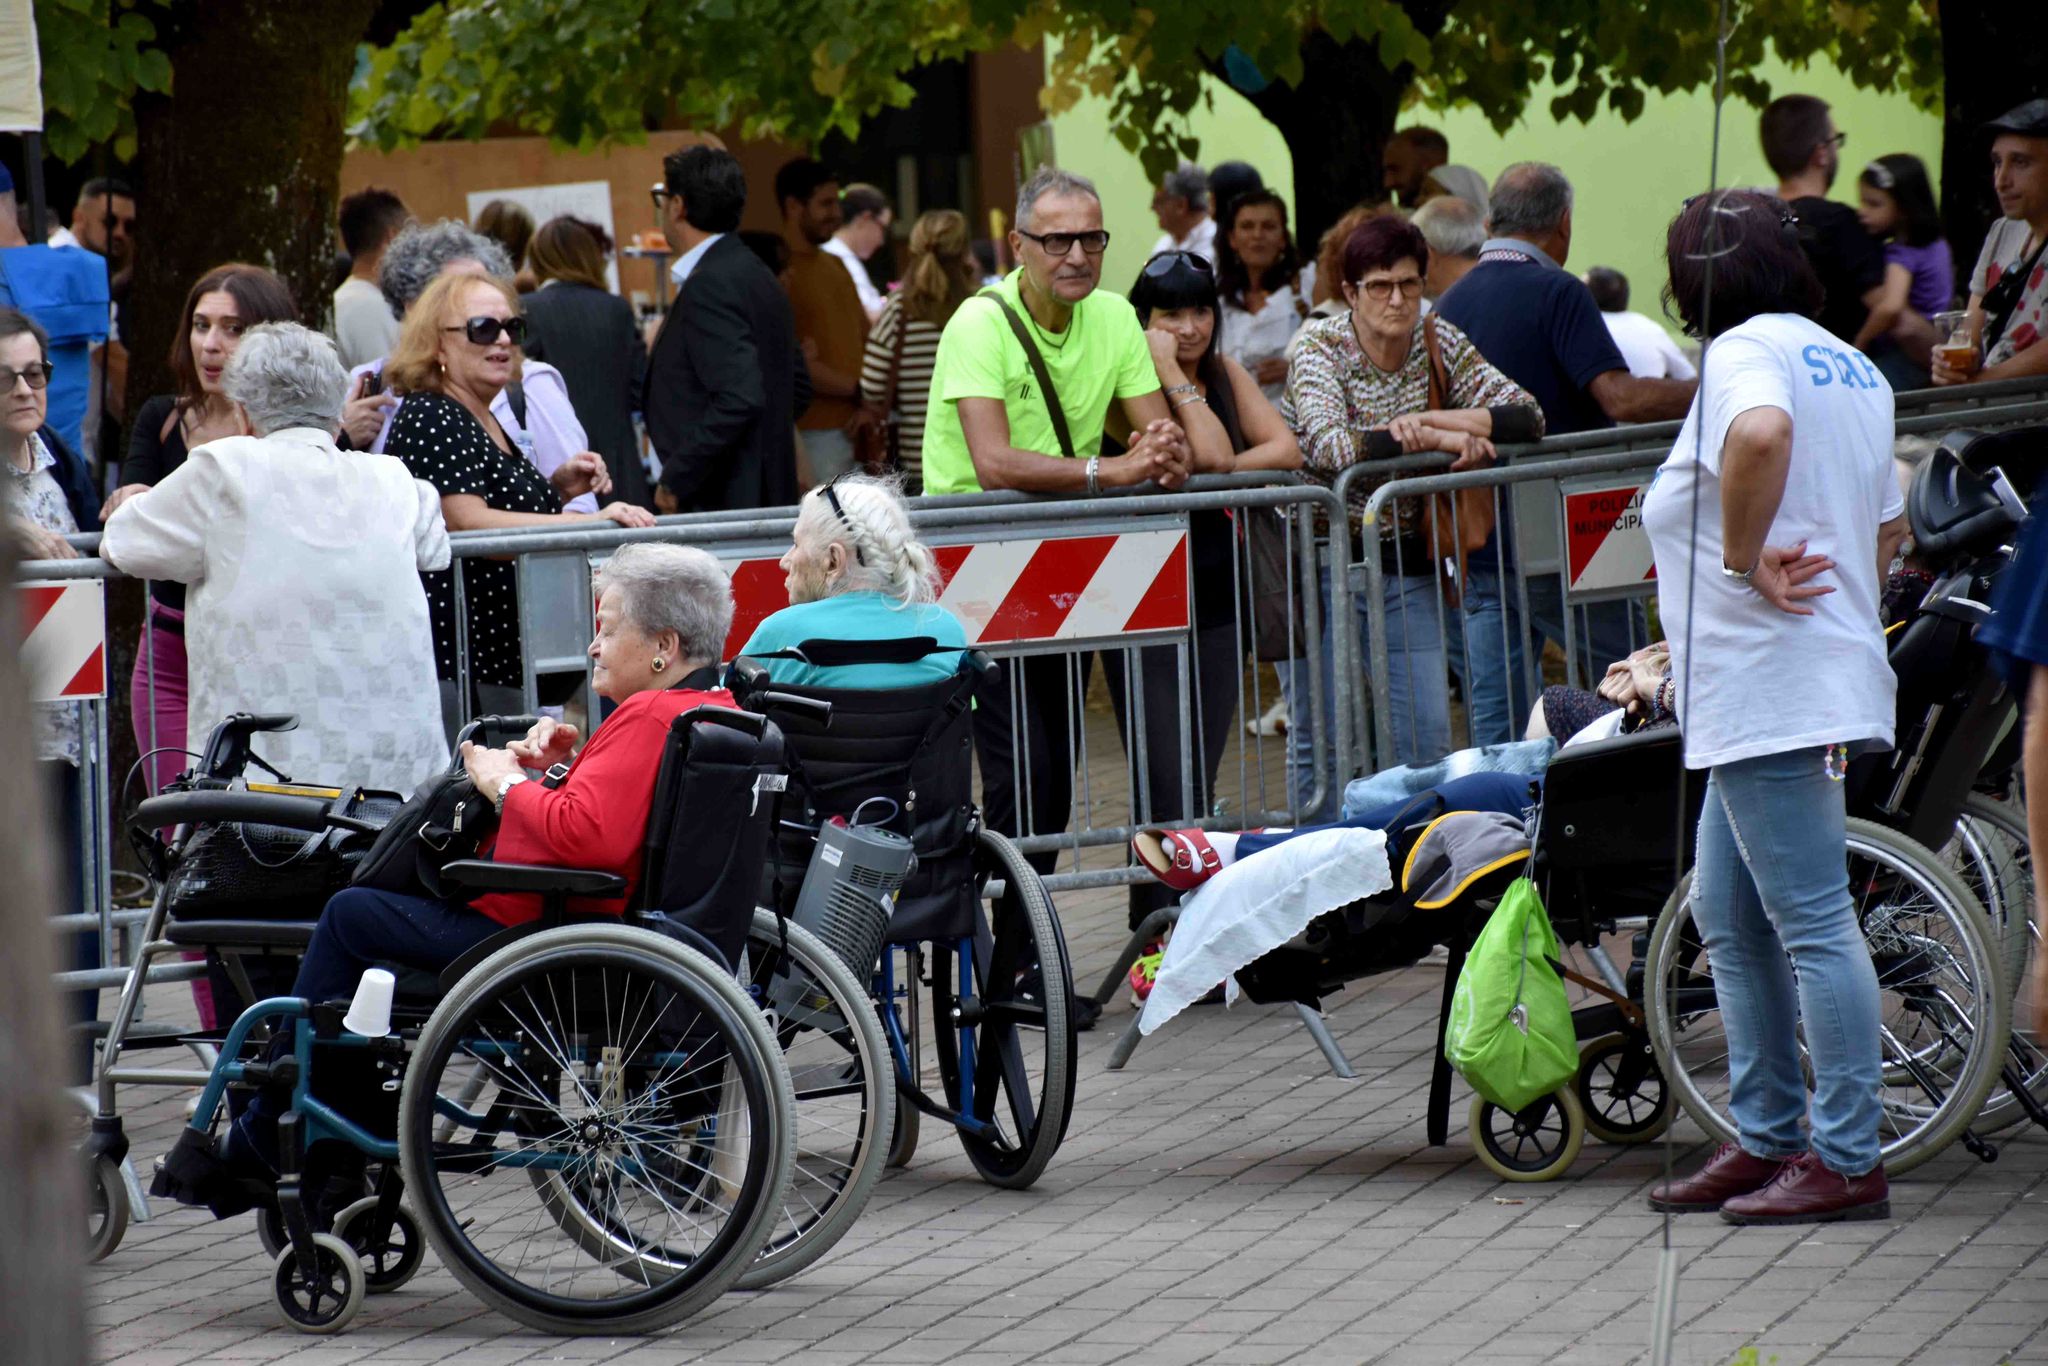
(845, 1084)
(1003, 1022)
(1945, 1010)
(642, 1085)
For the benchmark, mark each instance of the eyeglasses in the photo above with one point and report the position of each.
(1059, 244)
(37, 376)
(484, 331)
(1167, 261)
(853, 534)
(1838, 141)
(1382, 290)
(659, 194)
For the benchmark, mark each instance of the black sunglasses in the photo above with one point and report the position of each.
(484, 331)
(832, 497)
(1166, 261)
(1058, 244)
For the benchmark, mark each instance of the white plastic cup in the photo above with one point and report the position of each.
(369, 1014)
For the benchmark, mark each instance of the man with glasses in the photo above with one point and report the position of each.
(1804, 149)
(1021, 386)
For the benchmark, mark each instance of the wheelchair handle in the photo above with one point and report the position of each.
(483, 729)
(266, 808)
(770, 700)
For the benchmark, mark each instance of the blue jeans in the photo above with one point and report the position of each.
(1486, 644)
(1415, 682)
(1771, 897)
(1506, 792)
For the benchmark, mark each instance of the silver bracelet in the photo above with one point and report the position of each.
(1191, 398)
(1180, 389)
(1094, 474)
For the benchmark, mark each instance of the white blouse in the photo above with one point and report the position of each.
(303, 563)
(1249, 338)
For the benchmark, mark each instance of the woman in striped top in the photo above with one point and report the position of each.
(941, 276)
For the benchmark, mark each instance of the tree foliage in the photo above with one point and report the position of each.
(96, 57)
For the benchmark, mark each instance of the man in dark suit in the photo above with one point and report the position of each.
(726, 382)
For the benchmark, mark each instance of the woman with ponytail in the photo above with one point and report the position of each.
(857, 571)
(905, 338)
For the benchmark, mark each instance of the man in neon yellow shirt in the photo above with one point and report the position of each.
(990, 425)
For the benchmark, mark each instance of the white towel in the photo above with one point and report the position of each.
(1257, 904)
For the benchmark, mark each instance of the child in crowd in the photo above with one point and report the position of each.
(1897, 206)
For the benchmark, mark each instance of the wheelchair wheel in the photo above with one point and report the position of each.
(1535, 1143)
(845, 1084)
(106, 1219)
(1992, 836)
(903, 1138)
(325, 1299)
(633, 1082)
(1945, 1010)
(390, 1256)
(1003, 1022)
(1621, 1090)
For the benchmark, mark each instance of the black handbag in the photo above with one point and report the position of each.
(445, 820)
(243, 870)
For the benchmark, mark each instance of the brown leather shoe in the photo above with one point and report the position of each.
(1805, 1192)
(1729, 1172)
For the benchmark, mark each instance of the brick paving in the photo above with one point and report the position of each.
(1223, 1199)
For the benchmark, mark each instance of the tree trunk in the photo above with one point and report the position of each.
(1993, 57)
(242, 161)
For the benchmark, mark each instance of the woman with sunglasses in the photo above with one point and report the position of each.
(458, 350)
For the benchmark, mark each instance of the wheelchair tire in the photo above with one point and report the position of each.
(1536, 1143)
(903, 1138)
(845, 1086)
(1938, 971)
(334, 1297)
(1622, 1091)
(106, 1203)
(389, 1259)
(1013, 1017)
(581, 1030)
(270, 1229)
(1997, 833)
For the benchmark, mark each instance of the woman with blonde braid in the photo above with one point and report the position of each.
(858, 572)
(940, 277)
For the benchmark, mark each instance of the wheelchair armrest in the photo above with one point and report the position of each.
(220, 804)
(483, 875)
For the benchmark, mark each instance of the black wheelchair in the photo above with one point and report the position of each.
(1000, 999)
(591, 1115)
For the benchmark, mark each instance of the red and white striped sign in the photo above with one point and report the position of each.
(1036, 589)
(1606, 545)
(64, 646)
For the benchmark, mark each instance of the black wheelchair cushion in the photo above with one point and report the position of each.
(240, 934)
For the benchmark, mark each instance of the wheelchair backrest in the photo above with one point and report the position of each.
(707, 834)
(1619, 817)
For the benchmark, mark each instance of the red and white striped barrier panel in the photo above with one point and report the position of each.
(1038, 589)
(1606, 544)
(64, 640)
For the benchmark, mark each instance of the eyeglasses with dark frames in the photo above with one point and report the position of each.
(1166, 261)
(35, 376)
(1059, 244)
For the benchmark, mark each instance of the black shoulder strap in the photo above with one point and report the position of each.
(515, 394)
(832, 654)
(1038, 371)
(2003, 300)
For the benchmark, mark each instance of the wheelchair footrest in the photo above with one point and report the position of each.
(192, 1173)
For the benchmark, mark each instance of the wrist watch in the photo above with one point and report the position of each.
(510, 783)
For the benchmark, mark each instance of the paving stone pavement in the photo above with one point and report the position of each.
(1224, 1199)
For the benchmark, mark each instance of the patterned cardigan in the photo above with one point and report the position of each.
(1339, 404)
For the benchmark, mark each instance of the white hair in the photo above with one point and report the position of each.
(285, 376)
(1050, 180)
(673, 588)
(883, 554)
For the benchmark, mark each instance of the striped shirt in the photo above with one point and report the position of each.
(914, 385)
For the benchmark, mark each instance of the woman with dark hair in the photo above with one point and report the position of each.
(576, 324)
(509, 225)
(1231, 428)
(1376, 382)
(1264, 287)
(1919, 273)
(1772, 522)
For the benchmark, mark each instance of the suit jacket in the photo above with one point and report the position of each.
(592, 338)
(725, 386)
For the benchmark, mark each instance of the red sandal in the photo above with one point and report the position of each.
(1182, 859)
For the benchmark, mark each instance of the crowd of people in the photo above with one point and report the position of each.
(289, 570)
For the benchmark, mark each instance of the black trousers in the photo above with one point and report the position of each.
(1027, 768)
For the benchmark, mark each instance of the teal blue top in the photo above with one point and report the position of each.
(858, 616)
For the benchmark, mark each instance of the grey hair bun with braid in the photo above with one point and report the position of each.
(891, 560)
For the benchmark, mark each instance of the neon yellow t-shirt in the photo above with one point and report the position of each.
(1101, 356)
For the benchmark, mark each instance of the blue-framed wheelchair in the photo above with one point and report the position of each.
(885, 786)
(590, 1119)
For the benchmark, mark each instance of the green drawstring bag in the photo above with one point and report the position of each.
(1510, 1032)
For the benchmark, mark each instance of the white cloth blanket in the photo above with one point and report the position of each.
(303, 564)
(1257, 904)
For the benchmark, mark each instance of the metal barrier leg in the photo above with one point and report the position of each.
(1150, 928)
(1126, 1044)
(1312, 1021)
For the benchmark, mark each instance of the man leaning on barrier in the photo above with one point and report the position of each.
(1025, 375)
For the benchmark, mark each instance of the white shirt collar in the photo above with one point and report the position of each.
(687, 262)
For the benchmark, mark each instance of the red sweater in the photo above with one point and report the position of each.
(597, 818)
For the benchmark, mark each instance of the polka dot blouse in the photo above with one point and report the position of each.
(441, 442)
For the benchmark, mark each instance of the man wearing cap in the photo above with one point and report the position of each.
(2009, 288)
(66, 292)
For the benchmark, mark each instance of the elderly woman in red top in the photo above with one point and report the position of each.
(662, 620)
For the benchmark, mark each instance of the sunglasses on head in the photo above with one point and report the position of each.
(1167, 261)
(484, 331)
(1786, 218)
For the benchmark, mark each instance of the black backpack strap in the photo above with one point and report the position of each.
(515, 394)
(832, 654)
(1038, 371)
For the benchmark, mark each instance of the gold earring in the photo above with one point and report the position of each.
(659, 664)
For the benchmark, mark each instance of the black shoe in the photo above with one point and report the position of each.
(1085, 1011)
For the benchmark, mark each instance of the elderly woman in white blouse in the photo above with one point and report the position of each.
(303, 564)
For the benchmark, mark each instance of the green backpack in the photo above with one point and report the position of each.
(1510, 1032)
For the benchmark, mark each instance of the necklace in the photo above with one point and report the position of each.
(1073, 321)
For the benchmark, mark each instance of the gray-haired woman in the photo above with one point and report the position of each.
(856, 571)
(302, 564)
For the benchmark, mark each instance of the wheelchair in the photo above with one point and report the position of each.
(587, 1117)
(999, 979)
